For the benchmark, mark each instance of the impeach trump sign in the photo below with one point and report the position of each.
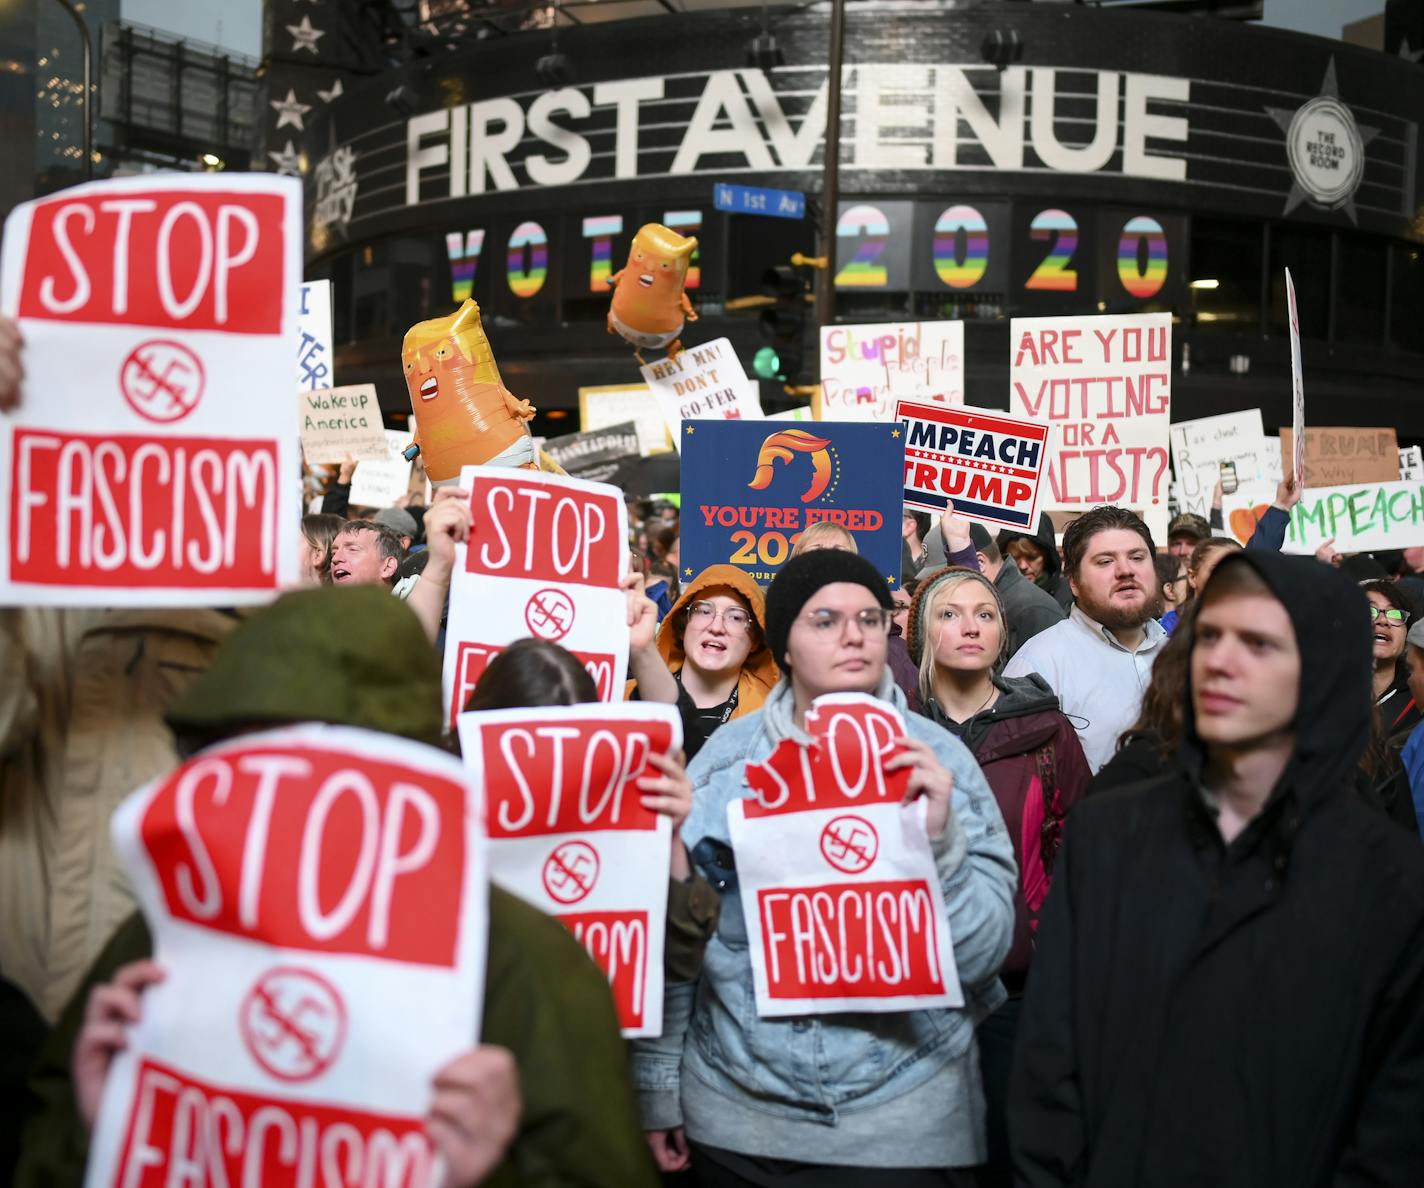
(151, 461)
(984, 465)
(843, 905)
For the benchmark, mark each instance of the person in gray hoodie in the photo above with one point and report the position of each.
(843, 1100)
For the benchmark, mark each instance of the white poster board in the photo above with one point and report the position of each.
(704, 382)
(865, 369)
(1297, 386)
(569, 834)
(381, 483)
(334, 422)
(1105, 383)
(315, 368)
(151, 460)
(544, 559)
(1358, 519)
(285, 950)
(600, 407)
(1199, 448)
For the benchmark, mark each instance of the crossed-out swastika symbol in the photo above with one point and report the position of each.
(570, 871)
(549, 614)
(850, 844)
(162, 380)
(293, 1023)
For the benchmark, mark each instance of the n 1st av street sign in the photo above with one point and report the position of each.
(753, 200)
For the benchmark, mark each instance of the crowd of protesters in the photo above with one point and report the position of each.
(1174, 799)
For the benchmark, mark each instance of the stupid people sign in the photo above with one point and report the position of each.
(569, 833)
(151, 461)
(1105, 384)
(544, 560)
(843, 905)
(300, 886)
(750, 488)
(980, 464)
(866, 369)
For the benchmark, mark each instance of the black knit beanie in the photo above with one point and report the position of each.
(797, 582)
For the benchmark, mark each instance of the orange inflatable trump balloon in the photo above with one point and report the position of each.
(649, 305)
(464, 415)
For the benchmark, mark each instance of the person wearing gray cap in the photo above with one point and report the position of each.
(399, 521)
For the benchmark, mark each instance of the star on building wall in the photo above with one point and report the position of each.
(288, 161)
(304, 37)
(290, 111)
(334, 93)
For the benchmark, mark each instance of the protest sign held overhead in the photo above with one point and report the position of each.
(749, 489)
(569, 833)
(866, 369)
(151, 460)
(1200, 447)
(1341, 456)
(843, 905)
(381, 483)
(1358, 518)
(1299, 442)
(985, 467)
(1411, 464)
(336, 422)
(314, 358)
(544, 560)
(1105, 383)
(594, 454)
(299, 886)
(705, 381)
(613, 404)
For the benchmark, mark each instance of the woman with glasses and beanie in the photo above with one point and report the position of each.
(713, 643)
(1392, 612)
(840, 1100)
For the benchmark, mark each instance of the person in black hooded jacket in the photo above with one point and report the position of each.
(1037, 559)
(1228, 988)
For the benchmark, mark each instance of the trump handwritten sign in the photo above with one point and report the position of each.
(1105, 383)
(983, 465)
(298, 884)
(151, 461)
(544, 560)
(843, 906)
(569, 834)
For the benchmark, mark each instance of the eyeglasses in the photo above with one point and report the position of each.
(1181, 577)
(1393, 616)
(734, 618)
(830, 623)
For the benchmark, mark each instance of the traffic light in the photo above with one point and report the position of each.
(783, 325)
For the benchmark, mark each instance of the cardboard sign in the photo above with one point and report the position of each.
(569, 833)
(983, 465)
(335, 422)
(750, 489)
(843, 905)
(1359, 518)
(1337, 456)
(1199, 448)
(705, 381)
(314, 358)
(151, 461)
(613, 404)
(382, 482)
(866, 369)
(595, 454)
(544, 559)
(1297, 388)
(1106, 383)
(1411, 464)
(299, 884)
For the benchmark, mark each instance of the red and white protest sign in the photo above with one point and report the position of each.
(1297, 388)
(986, 466)
(318, 902)
(569, 834)
(843, 905)
(151, 461)
(544, 560)
(1105, 383)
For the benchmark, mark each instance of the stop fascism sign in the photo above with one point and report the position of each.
(318, 902)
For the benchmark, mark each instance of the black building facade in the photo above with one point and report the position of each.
(1127, 161)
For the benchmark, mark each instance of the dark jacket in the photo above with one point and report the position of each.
(1051, 580)
(1028, 608)
(1031, 756)
(1242, 1015)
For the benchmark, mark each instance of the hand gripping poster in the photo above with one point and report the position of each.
(318, 901)
(544, 560)
(843, 905)
(569, 833)
(151, 459)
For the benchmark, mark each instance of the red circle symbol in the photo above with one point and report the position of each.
(293, 1023)
(550, 614)
(162, 380)
(570, 872)
(850, 844)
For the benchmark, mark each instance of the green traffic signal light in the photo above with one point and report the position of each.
(767, 364)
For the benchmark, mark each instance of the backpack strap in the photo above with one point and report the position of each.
(1051, 831)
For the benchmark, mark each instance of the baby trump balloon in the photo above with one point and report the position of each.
(649, 305)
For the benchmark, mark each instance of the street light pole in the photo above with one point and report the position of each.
(831, 171)
(68, 7)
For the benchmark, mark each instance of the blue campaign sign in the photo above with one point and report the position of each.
(781, 204)
(750, 488)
